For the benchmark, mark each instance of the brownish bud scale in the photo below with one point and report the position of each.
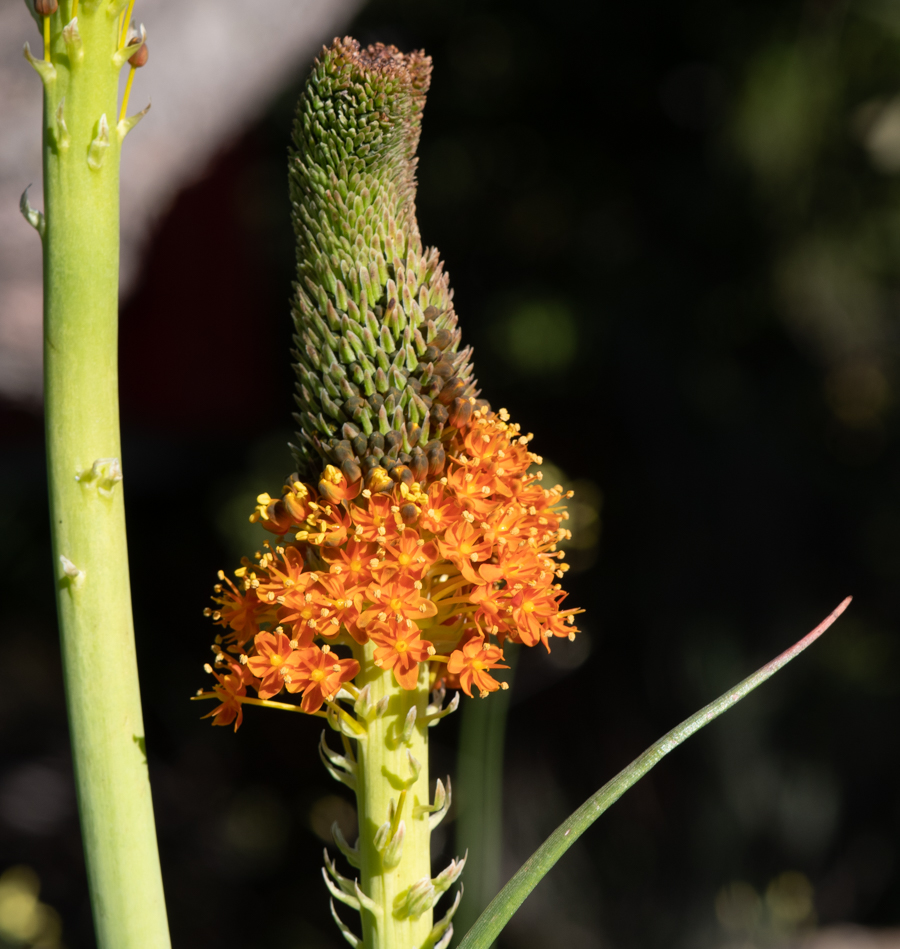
(452, 390)
(140, 57)
(45, 7)
(351, 470)
(439, 414)
(443, 368)
(460, 412)
(437, 458)
(442, 339)
(418, 464)
(401, 473)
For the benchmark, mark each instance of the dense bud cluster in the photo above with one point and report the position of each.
(379, 368)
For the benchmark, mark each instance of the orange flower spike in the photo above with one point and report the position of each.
(374, 520)
(331, 529)
(335, 487)
(239, 611)
(338, 600)
(296, 499)
(396, 600)
(398, 647)
(529, 610)
(229, 689)
(273, 663)
(471, 664)
(302, 610)
(408, 556)
(272, 514)
(464, 546)
(440, 510)
(286, 574)
(352, 561)
(473, 489)
(320, 675)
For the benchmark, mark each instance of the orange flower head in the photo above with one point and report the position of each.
(399, 647)
(273, 664)
(466, 559)
(396, 600)
(471, 664)
(320, 676)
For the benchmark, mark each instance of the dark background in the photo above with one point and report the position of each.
(674, 235)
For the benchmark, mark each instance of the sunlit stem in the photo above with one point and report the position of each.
(81, 283)
(384, 775)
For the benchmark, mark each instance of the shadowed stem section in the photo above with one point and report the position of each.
(479, 788)
(510, 898)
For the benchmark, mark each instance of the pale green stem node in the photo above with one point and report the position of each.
(126, 125)
(32, 215)
(99, 145)
(73, 41)
(47, 71)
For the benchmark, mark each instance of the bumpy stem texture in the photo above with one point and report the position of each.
(81, 250)
(393, 766)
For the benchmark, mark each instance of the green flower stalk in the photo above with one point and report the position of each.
(414, 540)
(85, 48)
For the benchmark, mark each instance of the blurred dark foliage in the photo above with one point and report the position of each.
(674, 235)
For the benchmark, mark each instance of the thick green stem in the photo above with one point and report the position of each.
(81, 273)
(386, 773)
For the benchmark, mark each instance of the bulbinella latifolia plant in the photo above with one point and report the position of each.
(412, 543)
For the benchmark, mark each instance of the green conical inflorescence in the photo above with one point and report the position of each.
(379, 368)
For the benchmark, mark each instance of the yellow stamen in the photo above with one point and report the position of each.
(123, 27)
(47, 38)
(265, 703)
(74, 9)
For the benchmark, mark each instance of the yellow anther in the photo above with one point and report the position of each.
(332, 475)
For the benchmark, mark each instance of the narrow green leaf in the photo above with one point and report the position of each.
(492, 921)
